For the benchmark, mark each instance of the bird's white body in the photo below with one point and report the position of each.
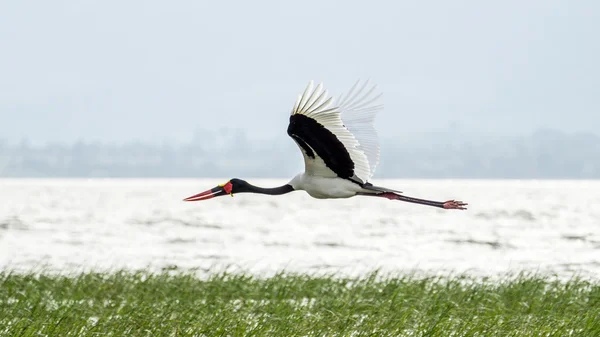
(325, 187)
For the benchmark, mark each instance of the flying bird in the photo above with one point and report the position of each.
(340, 148)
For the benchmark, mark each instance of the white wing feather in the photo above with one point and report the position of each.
(358, 113)
(352, 123)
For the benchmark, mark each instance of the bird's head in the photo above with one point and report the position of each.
(232, 186)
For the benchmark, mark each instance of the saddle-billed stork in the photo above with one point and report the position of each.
(340, 148)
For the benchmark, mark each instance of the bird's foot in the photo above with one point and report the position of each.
(453, 204)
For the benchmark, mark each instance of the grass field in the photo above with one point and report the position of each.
(143, 304)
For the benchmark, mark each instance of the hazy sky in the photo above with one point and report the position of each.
(159, 70)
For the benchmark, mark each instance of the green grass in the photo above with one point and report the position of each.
(144, 304)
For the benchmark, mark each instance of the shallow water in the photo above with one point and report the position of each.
(75, 224)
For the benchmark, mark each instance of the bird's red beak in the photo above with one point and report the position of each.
(213, 192)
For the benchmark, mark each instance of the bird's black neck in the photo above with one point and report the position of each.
(270, 191)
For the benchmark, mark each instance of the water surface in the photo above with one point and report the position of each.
(75, 224)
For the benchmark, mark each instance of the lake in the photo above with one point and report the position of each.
(101, 224)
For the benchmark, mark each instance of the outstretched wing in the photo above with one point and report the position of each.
(336, 140)
(358, 113)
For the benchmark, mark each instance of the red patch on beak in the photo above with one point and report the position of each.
(227, 187)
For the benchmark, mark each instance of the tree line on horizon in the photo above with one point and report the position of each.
(544, 154)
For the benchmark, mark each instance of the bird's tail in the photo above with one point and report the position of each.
(370, 187)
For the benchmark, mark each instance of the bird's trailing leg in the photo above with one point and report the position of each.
(449, 204)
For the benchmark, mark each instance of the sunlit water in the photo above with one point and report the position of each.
(73, 225)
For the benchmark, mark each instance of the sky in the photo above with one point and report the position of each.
(119, 71)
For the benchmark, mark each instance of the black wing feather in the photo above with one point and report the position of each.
(311, 135)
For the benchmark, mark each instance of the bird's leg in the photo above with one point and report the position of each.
(449, 204)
